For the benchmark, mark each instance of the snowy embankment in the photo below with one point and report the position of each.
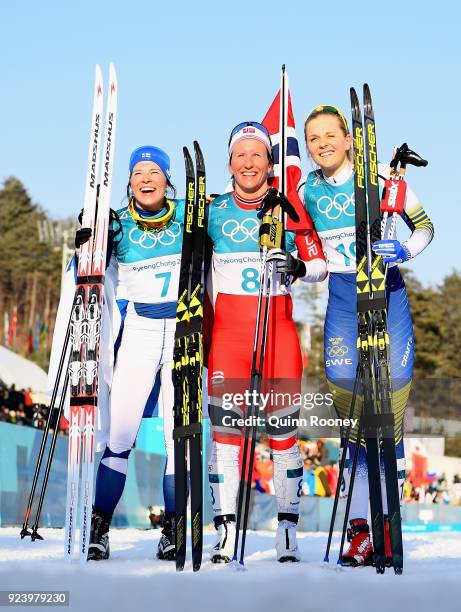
(133, 580)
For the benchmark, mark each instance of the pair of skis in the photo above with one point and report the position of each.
(188, 364)
(85, 320)
(373, 371)
(377, 419)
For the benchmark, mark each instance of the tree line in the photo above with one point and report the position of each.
(30, 274)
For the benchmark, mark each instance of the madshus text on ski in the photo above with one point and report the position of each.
(164, 286)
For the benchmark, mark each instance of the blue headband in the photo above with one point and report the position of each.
(151, 154)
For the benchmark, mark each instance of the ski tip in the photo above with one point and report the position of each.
(112, 79)
(188, 161)
(283, 68)
(355, 106)
(367, 102)
(199, 156)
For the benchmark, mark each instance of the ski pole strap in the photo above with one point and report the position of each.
(404, 155)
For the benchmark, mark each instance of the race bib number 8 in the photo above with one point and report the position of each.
(250, 282)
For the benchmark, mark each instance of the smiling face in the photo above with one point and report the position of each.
(250, 167)
(327, 144)
(149, 185)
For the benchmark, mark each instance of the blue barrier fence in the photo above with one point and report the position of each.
(19, 448)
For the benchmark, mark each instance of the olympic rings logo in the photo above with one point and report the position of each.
(239, 232)
(148, 240)
(341, 204)
(336, 349)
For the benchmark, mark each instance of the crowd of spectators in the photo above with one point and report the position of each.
(17, 406)
(320, 476)
(320, 473)
(438, 490)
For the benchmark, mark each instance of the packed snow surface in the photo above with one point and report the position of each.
(132, 579)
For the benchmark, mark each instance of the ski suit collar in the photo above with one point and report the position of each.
(342, 177)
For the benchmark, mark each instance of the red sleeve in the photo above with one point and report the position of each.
(207, 330)
(309, 245)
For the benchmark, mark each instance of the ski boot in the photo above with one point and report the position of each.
(166, 550)
(285, 542)
(360, 551)
(387, 543)
(223, 551)
(98, 548)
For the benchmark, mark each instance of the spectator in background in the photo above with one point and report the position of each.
(322, 487)
(28, 406)
(456, 489)
(332, 475)
(308, 486)
(263, 470)
(38, 418)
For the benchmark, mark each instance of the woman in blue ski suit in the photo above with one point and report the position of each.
(329, 198)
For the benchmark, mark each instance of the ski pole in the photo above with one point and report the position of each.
(268, 283)
(341, 468)
(24, 530)
(351, 486)
(254, 385)
(35, 535)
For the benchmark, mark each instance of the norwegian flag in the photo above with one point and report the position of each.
(280, 123)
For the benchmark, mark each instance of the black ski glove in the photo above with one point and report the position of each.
(286, 263)
(274, 198)
(82, 235)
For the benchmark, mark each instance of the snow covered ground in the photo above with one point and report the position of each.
(133, 580)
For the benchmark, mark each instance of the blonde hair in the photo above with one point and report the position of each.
(327, 109)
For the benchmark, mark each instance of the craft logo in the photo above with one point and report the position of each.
(407, 353)
(248, 130)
